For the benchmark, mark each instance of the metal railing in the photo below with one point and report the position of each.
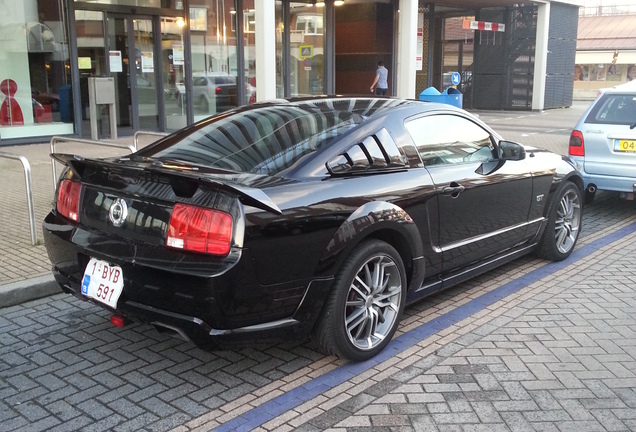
(29, 191)
(139, 133)
(58, 139)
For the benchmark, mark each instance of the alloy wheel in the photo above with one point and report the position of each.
(568, 220)
(373, 302)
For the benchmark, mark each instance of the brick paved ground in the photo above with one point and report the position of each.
(557, 355)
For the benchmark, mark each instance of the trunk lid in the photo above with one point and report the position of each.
(149, 188)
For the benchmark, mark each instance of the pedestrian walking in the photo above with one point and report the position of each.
(380, 83)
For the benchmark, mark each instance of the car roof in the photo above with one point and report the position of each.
(369, 106)
(628, 87)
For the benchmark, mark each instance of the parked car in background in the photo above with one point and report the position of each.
(603, 142)
(217, 91)
(43, 98)
(321, 216)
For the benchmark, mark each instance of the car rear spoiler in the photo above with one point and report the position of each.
(248, 195)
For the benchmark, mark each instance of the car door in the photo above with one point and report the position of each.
(483, 203)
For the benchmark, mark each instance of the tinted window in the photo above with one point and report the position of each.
(446, 139)
(266, 141)
(614, 109)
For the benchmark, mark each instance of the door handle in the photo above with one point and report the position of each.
(453, 190)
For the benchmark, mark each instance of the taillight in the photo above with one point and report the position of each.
(577, 148)
(198, 229)
(68, 199)
(218, 90)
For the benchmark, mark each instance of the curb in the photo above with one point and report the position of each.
(30, 289)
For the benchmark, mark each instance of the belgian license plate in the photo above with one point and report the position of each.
(625, 145)
(103, 282)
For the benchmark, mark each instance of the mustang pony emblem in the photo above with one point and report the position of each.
(118, 212)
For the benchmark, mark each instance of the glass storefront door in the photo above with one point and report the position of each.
(133, 64)
(173, 72)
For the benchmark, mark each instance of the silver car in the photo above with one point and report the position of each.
(603, 142)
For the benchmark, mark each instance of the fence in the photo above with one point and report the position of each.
(29, 191)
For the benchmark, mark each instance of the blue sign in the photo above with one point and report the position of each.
(455, 78)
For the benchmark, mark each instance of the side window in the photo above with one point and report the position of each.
(450, 139)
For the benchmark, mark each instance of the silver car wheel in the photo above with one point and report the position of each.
(568, 220)
(373, 302)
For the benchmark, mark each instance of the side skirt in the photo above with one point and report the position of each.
(452, 279)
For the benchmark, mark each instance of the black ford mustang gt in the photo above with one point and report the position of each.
(321, 217)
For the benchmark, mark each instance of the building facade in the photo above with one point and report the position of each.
(605, 50)
(170, 63)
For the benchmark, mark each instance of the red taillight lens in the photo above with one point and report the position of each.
(68, 199)
(197, 229)
(218, 90)
(577, 148)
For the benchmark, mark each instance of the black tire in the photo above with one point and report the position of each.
(564, 224)
(374, 312)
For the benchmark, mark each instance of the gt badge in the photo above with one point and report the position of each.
(539, 198)
(118, 212)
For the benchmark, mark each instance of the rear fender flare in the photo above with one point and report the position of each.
(384, 221)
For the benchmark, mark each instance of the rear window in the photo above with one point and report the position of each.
(614, 109)
(268, 140)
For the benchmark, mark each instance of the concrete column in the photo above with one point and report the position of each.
(407, 44)
(541, 56)
(265, 28)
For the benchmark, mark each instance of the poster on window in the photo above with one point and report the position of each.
(115, 61)
(147, 63)
(419, 50)
(177, 55)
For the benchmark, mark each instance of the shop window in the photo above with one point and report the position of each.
(198, 18)
(35, 71)
(249, 21)
(310, 24)
(166, 4)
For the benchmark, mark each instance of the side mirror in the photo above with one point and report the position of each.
(509, 150)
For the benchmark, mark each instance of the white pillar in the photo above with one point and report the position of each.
(407, 44)
(541, 56)
(265, 28)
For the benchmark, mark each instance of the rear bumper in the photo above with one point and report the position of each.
(610, 183)
(605, 181)
(209, 305)
(193, 329)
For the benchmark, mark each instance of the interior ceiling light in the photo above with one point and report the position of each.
(338, 2)
(320, 4)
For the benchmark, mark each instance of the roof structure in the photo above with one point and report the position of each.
(606, 33)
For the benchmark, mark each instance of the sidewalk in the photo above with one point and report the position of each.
(24, 268)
